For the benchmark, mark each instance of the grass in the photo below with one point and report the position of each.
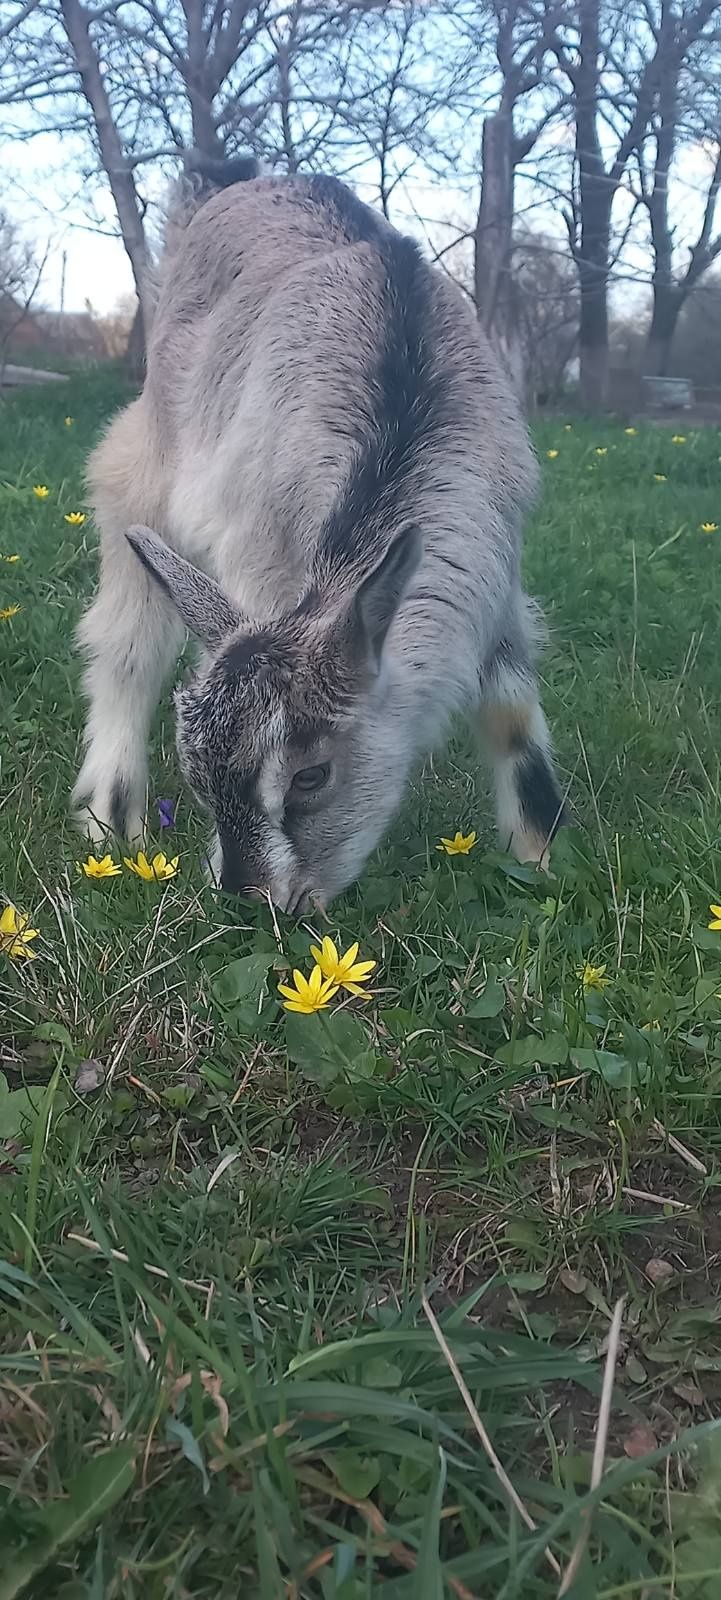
(218, 1223)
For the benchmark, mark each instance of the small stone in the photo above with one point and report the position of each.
(640, 1441)
(657, 1270)
(89, 1076)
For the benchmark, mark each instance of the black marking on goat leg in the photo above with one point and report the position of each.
(538, 792)
(119, 802)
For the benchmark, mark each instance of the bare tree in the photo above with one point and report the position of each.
(687, 116)
(21, 272)
(521, 38)
(548, 301)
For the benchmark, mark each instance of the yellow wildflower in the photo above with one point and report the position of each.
(568, 427)
(69, 422)
(631, 432)
(41, 491)
(678, 438)
(715, 926)
(593, 977)
(660, 477)
(75, 518)
(10, 559)
(6, 612)
(345, 971)
(309, 994)
(551, 454)
(103, 868)
(601, 450)
(709, 527)
(16, 935)
(460, 845)
(156, 871)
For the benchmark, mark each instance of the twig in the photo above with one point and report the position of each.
(496, 1464)
(656, 1199)
(680, 1149)
(120, 1255)
(599, 1447)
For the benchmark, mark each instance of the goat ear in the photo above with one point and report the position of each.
(201, 604)
(380, 595)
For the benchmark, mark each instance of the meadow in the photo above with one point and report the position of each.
(279, 1291)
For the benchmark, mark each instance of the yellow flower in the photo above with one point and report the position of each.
(9, 611)
(41, 491)
(15, 935)
(631, 432)
(709, 527)
(593, 977)
(660, 477)
(105, 868)
(10, 559)
(344, 971)
(310, 994)
(678, 438)
(75, 518)
(69, 422)
(460, 845)
(155, 871)
(601, 449)
(551, 454)
(715, 926)
(568, 427)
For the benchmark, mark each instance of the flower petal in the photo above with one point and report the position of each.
(360, 971)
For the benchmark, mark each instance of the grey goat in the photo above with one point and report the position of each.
(335, 471)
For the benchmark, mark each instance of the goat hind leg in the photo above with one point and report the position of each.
(529, 803)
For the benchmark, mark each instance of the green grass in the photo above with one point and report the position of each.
(216, 1373)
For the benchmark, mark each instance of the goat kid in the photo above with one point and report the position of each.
(323, 480)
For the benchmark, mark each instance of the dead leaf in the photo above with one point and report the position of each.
(573, 1281)
(640, 1441)
(89, 1076)
(689, 1392)
(657, 1270)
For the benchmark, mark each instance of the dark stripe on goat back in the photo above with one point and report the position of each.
(538, 792)
(409, 392)
(359, 223)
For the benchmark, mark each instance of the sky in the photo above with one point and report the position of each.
(40, 196)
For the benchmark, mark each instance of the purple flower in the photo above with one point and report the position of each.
(166, 813)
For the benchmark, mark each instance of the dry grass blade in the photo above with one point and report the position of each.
(599, 1447)
(496, 1463)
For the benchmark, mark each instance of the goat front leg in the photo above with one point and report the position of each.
(131, 636)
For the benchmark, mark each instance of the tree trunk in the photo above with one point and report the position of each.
(667, 294)
(595, 198)
(493, 243)
(201, 83)
(667, 303)
(592, 263)
(134, 358)
(118, 171)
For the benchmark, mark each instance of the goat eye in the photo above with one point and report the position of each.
(310, 778)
